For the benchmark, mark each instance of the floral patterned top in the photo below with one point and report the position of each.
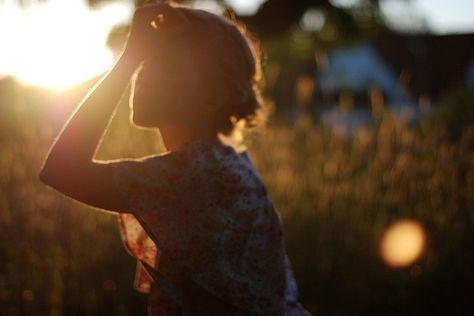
(200, 216)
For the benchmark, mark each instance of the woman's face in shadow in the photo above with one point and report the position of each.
(168, 88)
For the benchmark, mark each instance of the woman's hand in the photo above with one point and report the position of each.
(153, 24)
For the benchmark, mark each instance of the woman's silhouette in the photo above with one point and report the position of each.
(198, 219)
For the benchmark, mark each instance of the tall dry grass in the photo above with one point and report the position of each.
(336, 195)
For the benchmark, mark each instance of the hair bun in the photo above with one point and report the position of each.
(248, 106)
(232, 68)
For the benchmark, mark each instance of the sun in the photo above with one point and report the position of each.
(56, 43)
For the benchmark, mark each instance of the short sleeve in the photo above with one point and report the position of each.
(152, 181)
(157, 221)
(136, 241)
(146, 180)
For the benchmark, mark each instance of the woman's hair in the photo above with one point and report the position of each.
(232, 67)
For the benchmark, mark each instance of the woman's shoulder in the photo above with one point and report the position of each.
(196, 153)
(205, 154)
(209, 172)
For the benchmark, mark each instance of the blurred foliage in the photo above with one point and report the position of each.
(456, 110)
(57, 257)
(336, 196)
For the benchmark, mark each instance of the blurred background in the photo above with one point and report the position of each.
(368, 154)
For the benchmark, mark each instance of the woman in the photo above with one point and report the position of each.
(198, 219)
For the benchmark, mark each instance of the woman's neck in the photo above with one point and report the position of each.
(175, 136)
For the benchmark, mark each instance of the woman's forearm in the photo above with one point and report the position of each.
(79, 138)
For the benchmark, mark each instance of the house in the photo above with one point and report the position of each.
(348, 88)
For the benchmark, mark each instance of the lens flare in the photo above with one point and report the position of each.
(57, 43)
(402, 243)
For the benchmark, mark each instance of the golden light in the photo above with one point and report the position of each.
(402, 243)
(57, 43)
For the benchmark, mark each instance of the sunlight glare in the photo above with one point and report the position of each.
(57, 43)
(402, 243)
(245, 7)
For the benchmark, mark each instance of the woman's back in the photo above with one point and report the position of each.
(211, 219)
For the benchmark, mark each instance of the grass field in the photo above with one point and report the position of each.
(336, 197)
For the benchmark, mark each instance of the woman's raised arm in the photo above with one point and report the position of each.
(70, 167)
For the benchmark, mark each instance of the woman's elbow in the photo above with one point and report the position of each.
(62, 176)
(50, 174)
(54, 179)
(53, 170)
(45, 176)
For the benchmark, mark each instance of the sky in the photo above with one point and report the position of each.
(246, 7)
(442, 16)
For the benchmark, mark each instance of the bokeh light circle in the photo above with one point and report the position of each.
(402, 243)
